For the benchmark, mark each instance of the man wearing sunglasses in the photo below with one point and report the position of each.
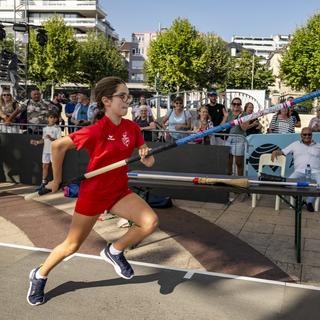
(304, 152)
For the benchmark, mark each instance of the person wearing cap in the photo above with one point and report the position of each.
(314, 123)
(218, 114)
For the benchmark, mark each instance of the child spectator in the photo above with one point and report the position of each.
(50, 133)
(203, 123)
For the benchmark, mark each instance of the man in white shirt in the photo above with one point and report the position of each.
(304, 152)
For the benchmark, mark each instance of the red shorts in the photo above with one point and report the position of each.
(94, 207)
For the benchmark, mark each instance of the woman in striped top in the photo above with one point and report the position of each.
(282, 122)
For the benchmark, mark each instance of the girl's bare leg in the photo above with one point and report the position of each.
(135, 209)
(80, 228)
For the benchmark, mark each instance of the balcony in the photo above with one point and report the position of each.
(83, 6)
(79, 23)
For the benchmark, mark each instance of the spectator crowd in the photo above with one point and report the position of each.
(32, 116)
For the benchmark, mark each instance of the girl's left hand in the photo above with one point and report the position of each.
(147, 161)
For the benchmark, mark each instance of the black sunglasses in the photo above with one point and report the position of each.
(306, 134)
(236, 104)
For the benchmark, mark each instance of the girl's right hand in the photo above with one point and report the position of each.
(53, 186)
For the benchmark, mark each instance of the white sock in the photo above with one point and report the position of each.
(113, 250)
(39, 276)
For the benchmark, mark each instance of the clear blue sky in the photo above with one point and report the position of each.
(224, 17)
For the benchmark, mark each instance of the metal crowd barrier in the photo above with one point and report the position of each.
(30, 128)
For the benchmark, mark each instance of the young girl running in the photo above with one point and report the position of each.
(109, 140)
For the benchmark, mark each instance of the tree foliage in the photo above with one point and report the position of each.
(7, 43)
(218, 62)
(300, 67)
(178, 55)
(55, 62)
(240, 73)
(99, 57)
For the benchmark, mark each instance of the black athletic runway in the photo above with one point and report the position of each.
(85, 287)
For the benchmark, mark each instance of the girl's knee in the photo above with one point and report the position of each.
(150, 222)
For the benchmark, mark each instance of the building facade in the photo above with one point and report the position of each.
(262, 46)
(135, 53)
(81, 15)
(279, 90)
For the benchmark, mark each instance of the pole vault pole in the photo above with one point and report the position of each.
(202, 134)
(236, 182)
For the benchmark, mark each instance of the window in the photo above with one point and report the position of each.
(137, 64)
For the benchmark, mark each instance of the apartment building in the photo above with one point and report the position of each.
(262, 46)
(143, 40)
(135, 53)
(82, 15)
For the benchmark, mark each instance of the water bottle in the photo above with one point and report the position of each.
(308, 172)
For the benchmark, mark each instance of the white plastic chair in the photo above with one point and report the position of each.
(265, 160)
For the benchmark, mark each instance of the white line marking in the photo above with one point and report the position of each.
(187, 271)
(69, 257)
(188, 275)
(17, 246)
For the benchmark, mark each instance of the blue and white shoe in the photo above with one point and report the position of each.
(36, 289)
(119, 262)
(41, 187)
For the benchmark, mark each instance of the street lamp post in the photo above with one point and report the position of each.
(252, 70)
(157, 87)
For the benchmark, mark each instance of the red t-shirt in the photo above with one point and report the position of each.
(107, 143)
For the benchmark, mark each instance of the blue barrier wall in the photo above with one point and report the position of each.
(266, 143)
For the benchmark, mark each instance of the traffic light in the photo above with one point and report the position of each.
(42, 37)
(5, 58)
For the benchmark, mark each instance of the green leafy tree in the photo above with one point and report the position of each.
(240, 73)
(178, 56)
(99, 57)
(300, 67)
(7, 43)
(218, 62)
(55, 62)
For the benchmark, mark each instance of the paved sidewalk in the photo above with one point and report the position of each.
(264, 230)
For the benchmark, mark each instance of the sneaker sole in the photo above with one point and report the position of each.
(29, 290)
(115, 266)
